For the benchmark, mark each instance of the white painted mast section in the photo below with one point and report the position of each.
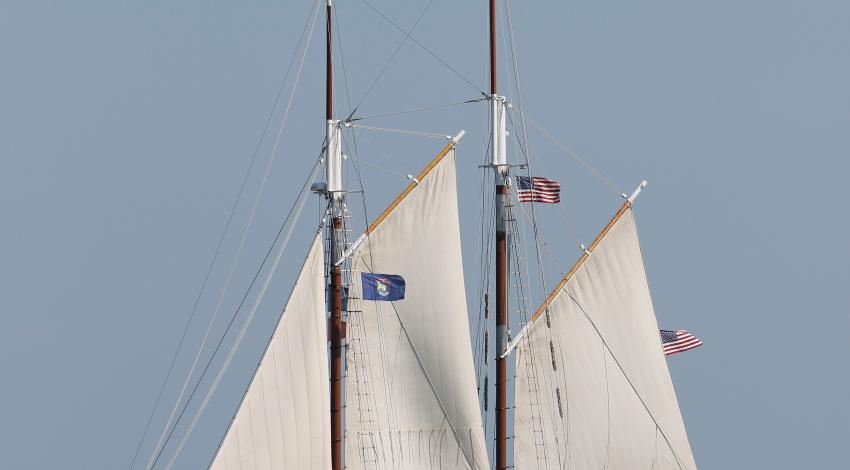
(347, 253)
(498, 137)
(333, 160)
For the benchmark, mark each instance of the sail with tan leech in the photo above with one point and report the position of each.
(411, 397)
(599, 395)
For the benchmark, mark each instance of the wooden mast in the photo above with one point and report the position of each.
(335, 198)
(500, 168)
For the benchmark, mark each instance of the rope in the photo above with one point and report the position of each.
(385, 155)
(300, 201)
(392, 56)
(417, 110)
(432, 54)
(575, 157)
(625, 375)
(401, 131)
(221, 240)
(161, 442)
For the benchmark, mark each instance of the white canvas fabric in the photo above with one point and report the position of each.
(284, 419)
(411, 400)
(618, 409)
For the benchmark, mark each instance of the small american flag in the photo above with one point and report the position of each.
(678, 341)
(538, 189)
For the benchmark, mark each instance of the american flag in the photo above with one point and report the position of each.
(538, 189)
(678, 341)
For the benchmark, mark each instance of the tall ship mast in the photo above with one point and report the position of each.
(372, 364)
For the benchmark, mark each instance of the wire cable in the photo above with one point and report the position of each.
(163, 440)
(221, 241)
(431, 53)
(392, 56)
(292, 219)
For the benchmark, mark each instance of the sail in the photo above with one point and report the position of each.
(284, 419)
(411, 399)
(592, 386)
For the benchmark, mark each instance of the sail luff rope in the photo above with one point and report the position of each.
(300, 202)
(223, 234)
(160, 443)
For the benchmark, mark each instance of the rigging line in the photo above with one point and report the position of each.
(160, 444)
(373, 165)
(408, 35)
(401, 131)
(221, 239)
(427, 376)
(256, 370)
(256, 276)
(417, 110)
(584, 311)
(575, 157)
(392, 56)
(565, 217)
(357, 171)
(383, 154)
(300, 202)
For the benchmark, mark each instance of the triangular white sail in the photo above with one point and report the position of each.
(284, 419)
(592, 386)
(411, 397)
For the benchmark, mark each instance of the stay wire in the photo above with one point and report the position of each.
(163, 440)
(241, 304)
(575, 157)
(392, 56)
(221, 240)
(417, 110)
(431, 53)
(298, 207)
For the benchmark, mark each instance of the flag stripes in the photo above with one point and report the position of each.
(538, 189)
(677, 341)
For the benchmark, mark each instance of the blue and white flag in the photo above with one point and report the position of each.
(382, 286)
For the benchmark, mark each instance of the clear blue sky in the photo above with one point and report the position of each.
(125, 128)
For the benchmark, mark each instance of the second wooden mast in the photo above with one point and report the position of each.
(500, 168)
(336, 198)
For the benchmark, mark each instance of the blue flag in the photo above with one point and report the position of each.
(382, 286)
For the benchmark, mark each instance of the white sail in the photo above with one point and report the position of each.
(592, 386)
(411, 398)
(284, 419)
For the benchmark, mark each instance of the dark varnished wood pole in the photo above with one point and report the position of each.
(335, 332)
(501, 407)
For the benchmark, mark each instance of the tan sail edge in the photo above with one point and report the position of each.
(451, 145)
(626, 205)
